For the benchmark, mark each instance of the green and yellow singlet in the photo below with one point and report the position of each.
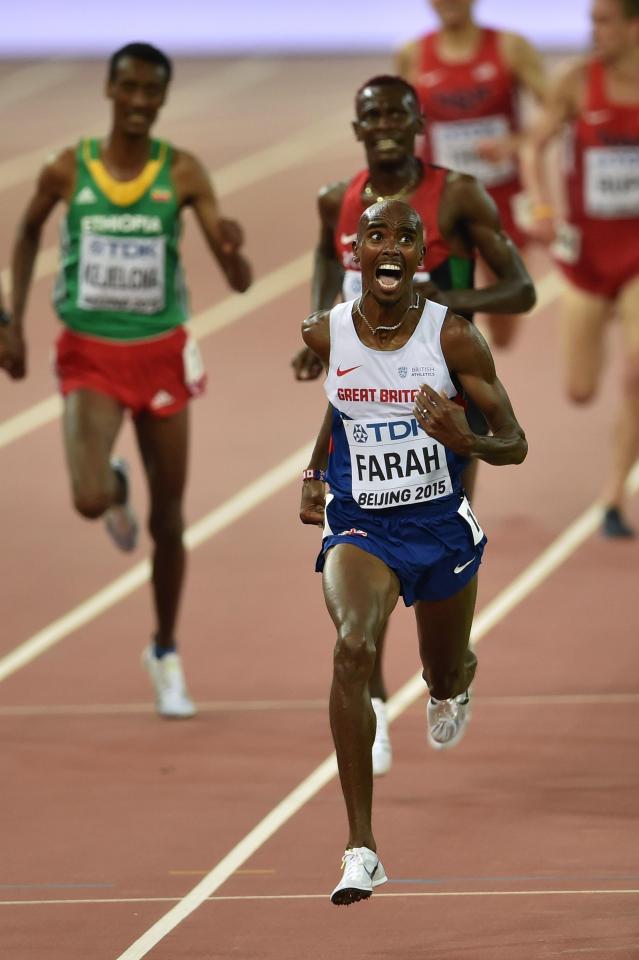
(120, 273)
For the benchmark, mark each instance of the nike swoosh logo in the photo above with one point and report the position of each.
(462, 566)
(342, 373)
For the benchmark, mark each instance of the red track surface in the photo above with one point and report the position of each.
(521, 843)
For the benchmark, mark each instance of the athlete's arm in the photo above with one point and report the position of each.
(224, 237)
(328, 273)
(562, 104)
(316, 335)
(469, 215)
(468, 357)
(405, 60)
(55, 183)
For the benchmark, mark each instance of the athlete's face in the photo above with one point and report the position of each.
(388, 120)
(453, 13)
(390, 247)
(613, 33)
(138, 90)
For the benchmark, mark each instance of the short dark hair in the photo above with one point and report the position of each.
(141, 51)
(630, 8)
(389, 80)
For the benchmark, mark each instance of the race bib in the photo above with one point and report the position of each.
(121, 273)
(455, 145)
(194, 375)
(395, 463)
(472, 521)
(611, 182)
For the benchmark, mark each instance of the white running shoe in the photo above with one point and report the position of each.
(382, 752)
(171, 696)
(120, 520)
(363, 870)
(447, 720)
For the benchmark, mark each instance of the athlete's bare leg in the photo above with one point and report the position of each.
(360, 593)
(91, 422)
(583, 325)
(443, 628)
(163, 443)
(626, 438)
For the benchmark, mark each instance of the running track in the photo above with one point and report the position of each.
(125, 837)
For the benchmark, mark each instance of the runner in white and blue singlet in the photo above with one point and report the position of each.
(396, 520)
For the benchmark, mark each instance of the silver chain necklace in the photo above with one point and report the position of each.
(374, 330)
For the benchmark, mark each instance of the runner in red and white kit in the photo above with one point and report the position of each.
(459, 220)
(597, 244)
(469, 79)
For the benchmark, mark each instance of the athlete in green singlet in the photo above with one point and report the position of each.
(121, 298)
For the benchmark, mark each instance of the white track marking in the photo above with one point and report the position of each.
(218, 519)
(521, 587)
(183, 101)
(232, 308)
(120, 709)
(283, 706)
(323, 896)
(27, 81)
(242, 173)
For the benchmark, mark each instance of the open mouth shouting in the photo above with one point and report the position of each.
(389, 276)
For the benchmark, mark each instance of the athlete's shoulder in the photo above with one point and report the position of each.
(330, 199)
(316, 320)
(59, 170)
(461, 342)
(407, 58)
(316, 333)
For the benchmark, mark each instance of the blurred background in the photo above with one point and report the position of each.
(76, 28)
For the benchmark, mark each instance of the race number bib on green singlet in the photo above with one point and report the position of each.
(611, 182)
(455, 146)
(121, 273)
(394, 463)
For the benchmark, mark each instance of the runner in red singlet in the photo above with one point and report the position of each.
(459, 220)
(597, 244)
(469, 81)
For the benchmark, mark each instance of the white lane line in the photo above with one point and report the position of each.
(604, 892)
(267, 706)
(217, 520)
(29, 80)
(235, 176)
(234, 307)
(184, 100)
(517, 591)
(121, 709)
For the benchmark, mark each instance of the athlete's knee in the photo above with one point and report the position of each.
(90, 501)
(354, 654)
(502, 330)
(580, 393)
(166, 524)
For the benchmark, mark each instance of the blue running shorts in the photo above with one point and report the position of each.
(434, 550)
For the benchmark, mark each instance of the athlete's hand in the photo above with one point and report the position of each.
(306, 365)
(231, 236)
(312, 505)
(497, 149)
(543, 230)
(13, 352)
(443, 420)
